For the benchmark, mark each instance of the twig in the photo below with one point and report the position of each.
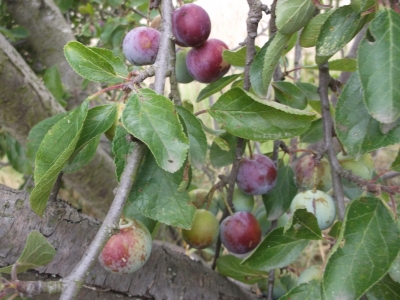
(74, 281)
(56, 187)
(271, 275)
(324, 80)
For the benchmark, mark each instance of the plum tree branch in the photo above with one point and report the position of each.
(74, 281)
(324, 81)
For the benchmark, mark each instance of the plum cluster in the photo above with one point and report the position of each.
(191, 27)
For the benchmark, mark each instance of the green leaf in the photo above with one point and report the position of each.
(290, 44)
(292, 15)
(88, 63)
(309, 35)
(99, 119)
(310, 90)
(265, 62)
(115, 61)
(83, 157)
(52, 80)
(303, 225)
(305, 291)
(197, 138)
(394, 271)
(121, 148)
(386, 289)
(379, 67)
(339, 29)
(16, 154)
(278, 200)
(155, 194)
(235, 58)
(314, 134)
(244, 115)
(367, 246)
(275, 251)
(37, 252)
(229, 265)
(289, 94)
(335, 229)
(219, 156)
(152, 119)
(355, 128)
(396, 164)
(37, 134)
(216, 86)
(54, 152)
(343, 65)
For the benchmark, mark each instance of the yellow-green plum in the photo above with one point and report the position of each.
(311, 273)
(204, 231)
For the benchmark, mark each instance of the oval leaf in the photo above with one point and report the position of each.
(88, 63)
(379, 67)
(289, 94)
(292, 15)
(152, 119)
(216, 86)
(243, 114)
(359, 260)
(309, 35)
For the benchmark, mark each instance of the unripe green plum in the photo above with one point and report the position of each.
(110, 133)
(318, 203)
(266, 224)
(198, 197)
(181, 72)
(128, 250)
(363, 166)
(308, 176)
(242, 201)
(204, 231)
(312, 273)
(282, 284)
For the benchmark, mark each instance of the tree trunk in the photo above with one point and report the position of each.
(24, 102)
(48, 34)
(167, 274)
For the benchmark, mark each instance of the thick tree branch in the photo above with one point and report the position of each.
(167, 275)
(24, 102)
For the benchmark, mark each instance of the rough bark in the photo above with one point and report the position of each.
(25, 101)
(48, 34)
(167, 274)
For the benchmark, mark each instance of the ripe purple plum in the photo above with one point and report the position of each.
(140, 46)
(128, 250)
(240, 233)
(204, 231)
(205, 63)
(257, 175)
(191, 25)
(308, 176)
(181, 71)
(318, 203)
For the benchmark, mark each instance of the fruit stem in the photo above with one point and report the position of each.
(125, 223)
(250, 149)
(227, 204)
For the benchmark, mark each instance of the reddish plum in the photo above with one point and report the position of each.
(309, 176)
(128, 250)
(240, 233)
(141, 45)
(256, 175)
(191, 25)
(205, 63)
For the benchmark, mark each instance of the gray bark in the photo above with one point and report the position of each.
(167, 274)
(24, 102)
(48, 34)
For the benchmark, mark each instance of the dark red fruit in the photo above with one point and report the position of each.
(240, 233)
(257, 175)
(191, 25)
(205, 63)
(141, 45)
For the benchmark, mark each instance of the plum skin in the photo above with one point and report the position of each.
(205, 63)
(191, 25)
(318, 203)
(204, 231)
(256, 175)
(140, 46)
(128, 250)
(181, 71)
(308, 175)
(240, 233)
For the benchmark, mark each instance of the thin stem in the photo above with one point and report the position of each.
(74, 281)
(110, 88)
(200, 112)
